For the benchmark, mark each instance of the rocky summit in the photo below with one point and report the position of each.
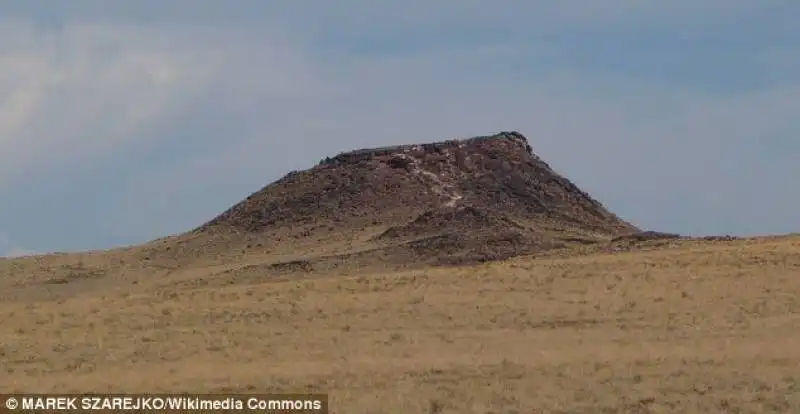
(456, 201)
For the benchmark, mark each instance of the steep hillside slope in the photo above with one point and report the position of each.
(480, 198)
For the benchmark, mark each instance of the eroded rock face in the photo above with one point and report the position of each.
(489, 180)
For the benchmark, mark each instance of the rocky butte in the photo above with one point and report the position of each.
(449, 202)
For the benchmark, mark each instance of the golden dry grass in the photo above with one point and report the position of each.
(690, 327)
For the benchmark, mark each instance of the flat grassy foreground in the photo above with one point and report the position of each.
(692, 328)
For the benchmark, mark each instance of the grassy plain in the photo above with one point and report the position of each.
(688, 327)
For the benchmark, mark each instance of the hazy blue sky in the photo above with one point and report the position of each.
(124, 121)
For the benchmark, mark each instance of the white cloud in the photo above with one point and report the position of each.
(83, 92)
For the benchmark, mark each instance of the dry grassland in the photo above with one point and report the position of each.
(692, 328)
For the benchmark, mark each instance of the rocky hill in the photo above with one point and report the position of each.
(454, 201)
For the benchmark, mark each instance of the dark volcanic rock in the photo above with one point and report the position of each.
(498, 172)
(646, 236)
(464, 219)
(462, 189)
